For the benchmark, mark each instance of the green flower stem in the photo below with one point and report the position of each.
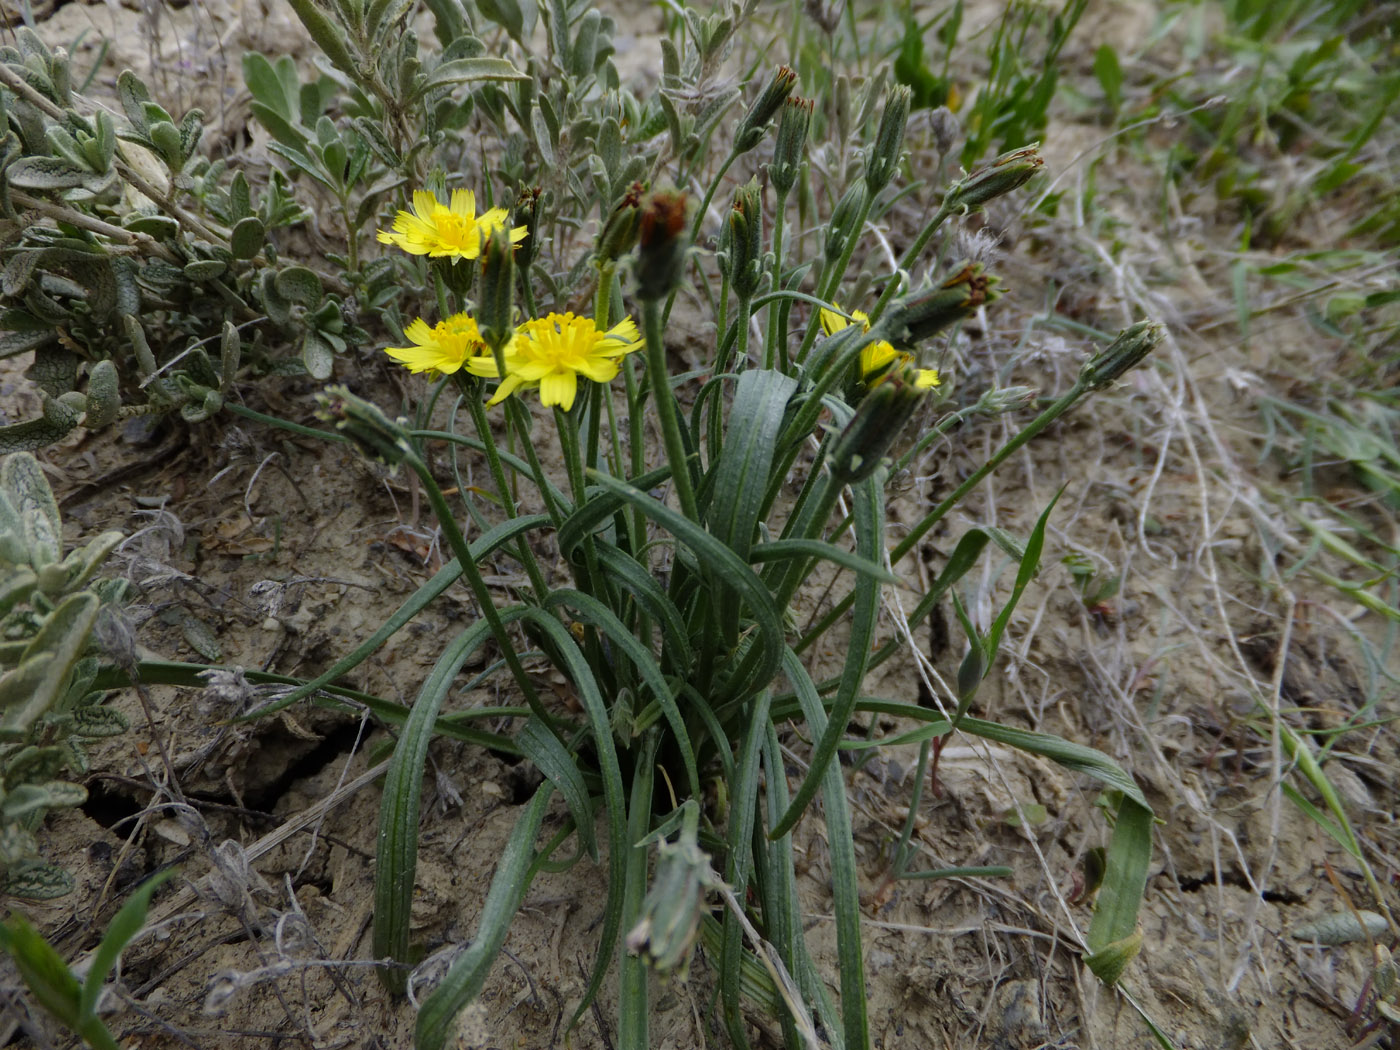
(832, 276)
(742, 311)
(440, 286)
(775, 344)
(666, 408)
(283, 424)
(601, 305)
(480, 591)
(519, 418)
(523, 553)
(700, 219)
(912, 254)
(899, 857)
(567, 426)
(595, 583)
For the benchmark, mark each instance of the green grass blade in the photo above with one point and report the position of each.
(591, 611)
(614, 799)
(738, 869)
(1113, 937)
(760, 662)
(463, 983)
(1030, 563)
(125, 925)
(750, 441)
(845, 886)
(632, 999)
(600, 507)
(868, 508)
(44, 972)
(624, 571)
(396, 852)
(552, 759)
(782, 550)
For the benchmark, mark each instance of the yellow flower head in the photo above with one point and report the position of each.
(552, 352)
(879, 358)
(452, 231)
(445, 347)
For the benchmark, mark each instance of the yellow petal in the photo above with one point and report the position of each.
(559, 388)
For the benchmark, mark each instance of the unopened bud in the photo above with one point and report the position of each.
(1133, 344)
(764, 109)
(661, 243)
(879, 419)
(924, 313)
(847, 213)
(791, 145)
(1004, 399)
(670, 914)
(745, 240)
(620, 231)
(364, 423)
(1008, 172)
(495, 307)
(526, 213)
(883, 158)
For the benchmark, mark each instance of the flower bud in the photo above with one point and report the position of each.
(764, 108)
(372, 432)
(1001, 176)
(670, 915)
(883, 158)
(791, 146)
(928, 311)
(843, 219)
(746, 240)
(879, 419)
(620, 231)
(662, 243)
(495, 306)
(1133, 344)
(1004, 399)
(526, 212)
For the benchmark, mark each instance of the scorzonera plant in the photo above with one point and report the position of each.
(691, 511)
(685, 552)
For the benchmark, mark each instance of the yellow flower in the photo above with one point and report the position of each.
(877, 359)
(445, 347)
(452, 231)
(552, 352)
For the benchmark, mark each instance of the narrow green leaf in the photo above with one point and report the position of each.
(591, 611)
(124, 926)
(868, 508)
(463, 983)
(779, 550)
(396, 852)
(1120, 895)
(845, 884)
(552, 759)
(750, 442)
(759, 664)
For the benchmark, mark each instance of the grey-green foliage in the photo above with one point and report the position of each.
(556, 119)
(49, 607)
(122, 236)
